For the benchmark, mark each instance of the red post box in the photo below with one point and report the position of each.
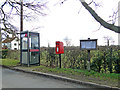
(59, 47)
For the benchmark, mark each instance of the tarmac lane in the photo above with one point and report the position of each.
(16, 79)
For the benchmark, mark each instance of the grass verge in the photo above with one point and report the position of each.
(110, 79)
(9, 62)
(75, 72)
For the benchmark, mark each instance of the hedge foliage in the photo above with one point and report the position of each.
(104, 59)
(3, 53)
(11, 54)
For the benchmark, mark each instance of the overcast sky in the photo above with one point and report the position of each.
(64, 21)
(72, 20)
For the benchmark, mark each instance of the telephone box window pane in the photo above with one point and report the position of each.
(24, 57)
(33, 40)
(24, 43)
(34, 57)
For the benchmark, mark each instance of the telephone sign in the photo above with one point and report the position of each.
(59, 47)
(23, 35)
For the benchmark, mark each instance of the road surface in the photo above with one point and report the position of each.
(15, 79)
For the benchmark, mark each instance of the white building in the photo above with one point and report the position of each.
(11, 43)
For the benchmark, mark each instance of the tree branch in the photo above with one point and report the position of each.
(34, 7)
(99, 19)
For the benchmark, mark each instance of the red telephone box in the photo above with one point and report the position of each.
(59, 47)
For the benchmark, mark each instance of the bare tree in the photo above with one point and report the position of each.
(11, 8)
(108, 38)
(102, 22)
(67, 41)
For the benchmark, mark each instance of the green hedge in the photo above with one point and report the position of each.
(11, 54)
(106, 59)
(3, 53)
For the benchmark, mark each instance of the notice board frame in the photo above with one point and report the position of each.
(88, 41)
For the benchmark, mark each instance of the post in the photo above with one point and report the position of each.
(0, 57)
(119, 22)
(104, 61)
(20, 50)
(0, 41)
(88, 64)
(60, 60)
(118, 39)
(28, 52)
(21, 16)
(21, 28)
(111, 60)
(39, 47)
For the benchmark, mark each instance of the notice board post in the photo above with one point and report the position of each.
(89, 44)
(88, 63)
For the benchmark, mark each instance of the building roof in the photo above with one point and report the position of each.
(8, 40)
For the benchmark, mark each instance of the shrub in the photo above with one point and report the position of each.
(4, 53)
(13, 54)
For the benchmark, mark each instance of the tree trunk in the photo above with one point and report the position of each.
(119, 22)
(0, 40)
